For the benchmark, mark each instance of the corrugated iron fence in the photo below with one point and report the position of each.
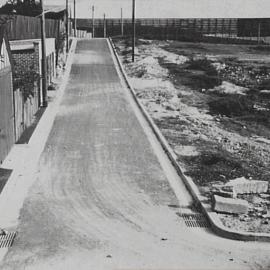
(22, 27)
(162, 28)
(183, 29)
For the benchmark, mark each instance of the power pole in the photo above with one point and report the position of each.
(43, 58)
(75, 23)
(122, 24)
(67, 33)
(259, 32)
(104, 25)
(93, 21)
(133, 30)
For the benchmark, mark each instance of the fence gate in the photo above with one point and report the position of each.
(7, 137)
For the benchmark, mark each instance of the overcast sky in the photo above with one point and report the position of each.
(176, 8)
(172, 8)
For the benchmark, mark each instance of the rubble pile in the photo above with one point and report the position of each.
(249, 199)
(242, 75)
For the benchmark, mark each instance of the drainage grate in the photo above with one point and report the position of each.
(194, 220)
(7, 239)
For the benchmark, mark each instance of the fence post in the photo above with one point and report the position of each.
(93, 21)
(67, 38)
(133, 30)
(230, 27)
(75, 22)
(222, 29)
(43, 59)
(216, 27)
(122, 23)
(104, 26)
(194, 27)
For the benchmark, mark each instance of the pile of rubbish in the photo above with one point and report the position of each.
(244, 197)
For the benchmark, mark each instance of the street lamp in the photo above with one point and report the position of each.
(133, 30)
(104, 26)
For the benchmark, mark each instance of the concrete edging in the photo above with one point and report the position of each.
(212, 217)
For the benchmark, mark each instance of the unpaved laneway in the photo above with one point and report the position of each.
(101, 199)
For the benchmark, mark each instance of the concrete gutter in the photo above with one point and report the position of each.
(212, 217)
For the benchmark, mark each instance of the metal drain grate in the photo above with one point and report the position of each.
(194, 220)
(7, 239)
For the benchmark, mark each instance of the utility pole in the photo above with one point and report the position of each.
(122, 24)
(43, 58)
(104, 25)
(259, 31)
(75, 23)
(93, 21)
(133, 30)
(67, 33)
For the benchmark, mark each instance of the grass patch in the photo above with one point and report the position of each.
(261, 48)
(196, 74)
(220, 165)
(212, 167)
(236, 105)
(202, 64)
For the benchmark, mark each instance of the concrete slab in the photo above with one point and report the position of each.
(229, 205)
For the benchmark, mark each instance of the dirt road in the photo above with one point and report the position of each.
(101, 199)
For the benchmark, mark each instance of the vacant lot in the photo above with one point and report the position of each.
(212, 103)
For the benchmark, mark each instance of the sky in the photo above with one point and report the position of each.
(175, 8)
(171, 8)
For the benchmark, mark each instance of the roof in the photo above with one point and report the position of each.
(54, 12)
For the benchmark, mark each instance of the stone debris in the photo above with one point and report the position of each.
(229, 205)
(223, 193)
(244, 186)
(229, 88)
(3, 232)
(265, 196)
(260, 212)
(245, 218)
(265, 222)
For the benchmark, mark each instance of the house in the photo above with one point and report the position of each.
(27, 58)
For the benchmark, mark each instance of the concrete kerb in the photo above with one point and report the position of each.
(23, 159)
(212, 217)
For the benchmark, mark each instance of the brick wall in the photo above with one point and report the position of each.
(26, 60)
(29, 59)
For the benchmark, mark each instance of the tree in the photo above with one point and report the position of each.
(21, 7)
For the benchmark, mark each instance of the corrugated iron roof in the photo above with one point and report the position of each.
(54, 12)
